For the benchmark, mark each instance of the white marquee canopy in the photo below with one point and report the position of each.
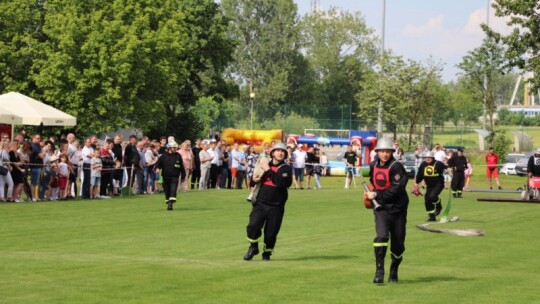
(18, 109)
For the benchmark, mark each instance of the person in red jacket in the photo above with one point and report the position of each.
(492, 172)
(269, 202)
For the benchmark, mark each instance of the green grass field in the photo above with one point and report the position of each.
(131, 250)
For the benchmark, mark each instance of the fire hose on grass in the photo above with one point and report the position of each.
(444, 220)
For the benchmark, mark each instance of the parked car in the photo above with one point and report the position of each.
(410, 164)
(521, 164)
(509, 168)
(454, 148)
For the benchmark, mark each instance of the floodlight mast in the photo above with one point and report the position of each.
(380, 108)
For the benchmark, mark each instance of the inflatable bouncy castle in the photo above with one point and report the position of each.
(363, 140)
(256, 138)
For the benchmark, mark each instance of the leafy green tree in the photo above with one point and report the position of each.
(412, 93)
(120, 63)
(501, 143)
(206, 110)
(463, 105)
(482, 66)
(340, 49)
(21, 34)
(266, 35)
(523, 43)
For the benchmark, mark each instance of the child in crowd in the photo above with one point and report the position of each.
(63, 176)
(468, 174)
(53, 182)
(95, 174)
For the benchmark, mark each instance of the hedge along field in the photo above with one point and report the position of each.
(131, 250)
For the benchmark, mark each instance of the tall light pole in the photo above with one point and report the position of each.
(462, 127)
(484, 119)
(380, 108)
(251, 97)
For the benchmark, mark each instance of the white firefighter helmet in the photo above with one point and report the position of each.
(384, 143)
(279, 146)
(172, 145)
(428, 154)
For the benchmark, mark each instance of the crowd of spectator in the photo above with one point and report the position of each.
(66, 168)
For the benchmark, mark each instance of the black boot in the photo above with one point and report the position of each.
(459, 195)
(432, 218)
(169, 206)
(253, 250)
(438, 207)
(380, 253)
(393, 277)
(266, 256)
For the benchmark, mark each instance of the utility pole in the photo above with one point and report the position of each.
(380, 108)
(484, 119)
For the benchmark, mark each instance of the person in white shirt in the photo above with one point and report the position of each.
(206, 160)
(86, 156)
(299, 165)
(439, 153)
(235, 154)
(215, 147)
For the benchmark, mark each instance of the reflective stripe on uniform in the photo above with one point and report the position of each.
(253, 241)
(399, 257)
(380, 244)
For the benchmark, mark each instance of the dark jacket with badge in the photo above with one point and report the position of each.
(458, 163)
(171, 165)
(432, 173)
(274, 184)
(395, 197)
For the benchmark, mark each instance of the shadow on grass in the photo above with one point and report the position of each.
(431, 279)
(321, 258)
(185, 209)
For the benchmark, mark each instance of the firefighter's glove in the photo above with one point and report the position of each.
(416, 191)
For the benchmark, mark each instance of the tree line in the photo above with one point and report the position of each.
(177, 67)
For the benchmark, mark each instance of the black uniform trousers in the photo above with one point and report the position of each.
(267, 217)
(195, 177)
(170, 186)
(214, 172)
(432, 200)
(458, 181)
(86, 180)
(391, 225)
(73, 180)
(106, 181)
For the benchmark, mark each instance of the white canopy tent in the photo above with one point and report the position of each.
(9, 118)
(18, 109)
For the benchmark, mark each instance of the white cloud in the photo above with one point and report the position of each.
(435, 37)
(479, 16)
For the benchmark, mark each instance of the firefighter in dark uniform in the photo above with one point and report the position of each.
(389, 180)
(533, 165)
(269, 203)
(431, 172)
(171, 166)
(458, 164)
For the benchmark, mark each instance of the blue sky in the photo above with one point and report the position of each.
(418, 29)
